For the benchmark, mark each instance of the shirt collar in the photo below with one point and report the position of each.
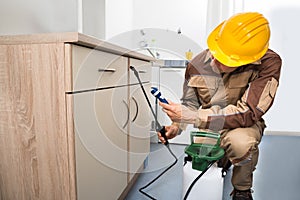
(207, 57)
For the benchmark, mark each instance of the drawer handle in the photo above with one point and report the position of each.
(127, 120)
(107, 70)
(142, 71)
(172, 70)
(137, 109)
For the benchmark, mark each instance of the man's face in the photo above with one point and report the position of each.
(220, 66)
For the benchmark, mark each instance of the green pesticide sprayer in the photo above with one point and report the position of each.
(204, 149)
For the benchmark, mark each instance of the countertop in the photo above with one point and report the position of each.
(74, 38)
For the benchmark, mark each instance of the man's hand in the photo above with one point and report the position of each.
(171, 132)
(179, 113)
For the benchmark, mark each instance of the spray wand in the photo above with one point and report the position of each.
(159, 128)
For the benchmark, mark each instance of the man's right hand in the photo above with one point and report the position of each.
(171, 132)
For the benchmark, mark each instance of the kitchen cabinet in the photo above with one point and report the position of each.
(69, 111)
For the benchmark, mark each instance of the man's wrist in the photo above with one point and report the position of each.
(179, 126)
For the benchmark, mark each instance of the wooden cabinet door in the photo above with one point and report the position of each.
(34, 156)
(101, 145)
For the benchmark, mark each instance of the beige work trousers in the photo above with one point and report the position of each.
(241, 148)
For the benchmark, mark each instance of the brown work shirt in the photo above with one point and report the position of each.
(231, 100)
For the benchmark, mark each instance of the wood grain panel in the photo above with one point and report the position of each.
(33, 150)
(71, 146)
(68, 68)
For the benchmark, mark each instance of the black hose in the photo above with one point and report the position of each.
(159, 128)
(142, 188)
(196, 179)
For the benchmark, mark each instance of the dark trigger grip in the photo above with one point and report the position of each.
(163, 134)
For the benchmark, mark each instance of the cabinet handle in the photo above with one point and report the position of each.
(127, 120)
(171, 70)
(107, 70)
(142, 71)
(137, 109)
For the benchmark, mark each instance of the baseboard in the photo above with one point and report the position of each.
(282, 133)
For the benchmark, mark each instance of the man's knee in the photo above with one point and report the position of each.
(240, 147)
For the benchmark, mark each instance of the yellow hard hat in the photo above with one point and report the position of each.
(240, 40)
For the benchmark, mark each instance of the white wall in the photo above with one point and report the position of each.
(283, 17)
(37, 16)
(219, 10)
(118, 17)
(93, 17)
(160, 21)
(189, 16)
(194, 18)
(44, 16)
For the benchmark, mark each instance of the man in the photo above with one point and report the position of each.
(228, 88)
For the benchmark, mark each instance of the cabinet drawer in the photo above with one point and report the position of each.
(144, 69)
(96, 69)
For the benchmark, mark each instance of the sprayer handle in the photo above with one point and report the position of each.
(163, 134)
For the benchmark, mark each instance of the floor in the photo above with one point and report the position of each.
(277, 175)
